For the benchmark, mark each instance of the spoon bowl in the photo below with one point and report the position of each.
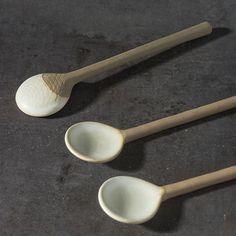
(94, 142)
(130, 200)
(35, 98)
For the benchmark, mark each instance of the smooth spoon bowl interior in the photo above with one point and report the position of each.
(130, 200)
(35, 98)
(94, 142)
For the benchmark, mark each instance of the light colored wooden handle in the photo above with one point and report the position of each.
(133, 56)
(193, 184)
(179, 119)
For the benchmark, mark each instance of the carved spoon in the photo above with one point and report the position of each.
(99, 143)
(134, 201)
(45, 94)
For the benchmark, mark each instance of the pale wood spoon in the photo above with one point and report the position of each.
(97, 142)
(134, 201)
(45, 94)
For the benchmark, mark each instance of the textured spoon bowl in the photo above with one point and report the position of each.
(35, 98)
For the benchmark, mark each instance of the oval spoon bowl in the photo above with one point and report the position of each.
(130, 200)
(94, 142)
(35, 98)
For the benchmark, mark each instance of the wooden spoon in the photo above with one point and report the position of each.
(45, 94)
(97, 142)
(134, 201)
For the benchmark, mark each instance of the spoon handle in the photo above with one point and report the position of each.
(178, 119)
(138, 54)
(193, 184)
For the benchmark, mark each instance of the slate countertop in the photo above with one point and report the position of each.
(44, 190)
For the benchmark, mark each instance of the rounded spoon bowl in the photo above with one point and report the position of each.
(94, 142)
(130, 200)
(35, 98)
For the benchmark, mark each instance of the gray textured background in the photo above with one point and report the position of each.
(44, 190)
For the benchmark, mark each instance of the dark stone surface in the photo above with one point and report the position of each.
(44, 190)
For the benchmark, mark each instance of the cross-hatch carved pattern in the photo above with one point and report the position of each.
(58, 84)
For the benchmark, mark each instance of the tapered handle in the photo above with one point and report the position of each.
(133, 56)
(193, 184)
(179, 119)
